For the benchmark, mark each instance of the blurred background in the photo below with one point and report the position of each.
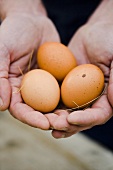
(26, 148)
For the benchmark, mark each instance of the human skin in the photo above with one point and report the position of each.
(92, 43)
(24, 28)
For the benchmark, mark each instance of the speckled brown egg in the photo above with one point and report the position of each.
(56, 58)
(40, 90)
(82, 85)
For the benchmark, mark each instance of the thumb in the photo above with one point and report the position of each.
(49, 32)
(76, 45)
(110, 85)
(5, 89)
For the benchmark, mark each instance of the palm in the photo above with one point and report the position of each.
(19, 37)
(89, 45)
(97, 49)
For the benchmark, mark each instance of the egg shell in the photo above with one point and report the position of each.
(40, 90)
(82, 85)
(56, 58)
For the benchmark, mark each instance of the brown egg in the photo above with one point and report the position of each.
(56, 58)
(40, 90)
(82, 85)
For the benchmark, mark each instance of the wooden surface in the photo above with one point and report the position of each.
(26, 148)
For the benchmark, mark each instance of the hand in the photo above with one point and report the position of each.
(96, 49)
(20, 34)
(90, 44)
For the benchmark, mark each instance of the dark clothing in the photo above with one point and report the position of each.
(68, 16)
(102, 134)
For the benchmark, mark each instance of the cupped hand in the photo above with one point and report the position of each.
(92, 43)
(20, 35)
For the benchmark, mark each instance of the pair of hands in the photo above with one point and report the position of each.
(20, 34)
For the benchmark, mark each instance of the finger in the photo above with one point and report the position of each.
(76, 45)
(65, 134)
(5, 89)
(51, 118)
(23, 112)
(110, 85)
(58, 121)
(61, 134)
(99, 113)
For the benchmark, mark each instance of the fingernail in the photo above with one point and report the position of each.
(63, 136)
(64, 129)
(75, 123)
(1, 102)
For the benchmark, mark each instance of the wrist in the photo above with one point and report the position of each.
(104, 12)
(9, 7)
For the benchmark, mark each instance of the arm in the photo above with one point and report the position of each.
(27, 6)
(103, 13)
